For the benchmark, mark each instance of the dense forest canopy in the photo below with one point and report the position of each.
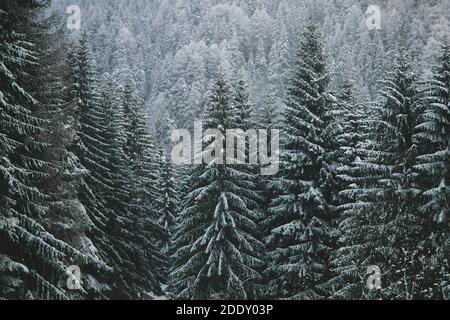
(174, 48)
(92, 207)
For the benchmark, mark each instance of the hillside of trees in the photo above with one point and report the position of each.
(87, 180)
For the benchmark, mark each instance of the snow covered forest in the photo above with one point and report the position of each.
(92, 207)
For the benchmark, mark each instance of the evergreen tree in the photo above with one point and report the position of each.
(66, 217)
(145, 166)
(380, 225)
(135, 258)
(113, 191)
(300, 242)
(351, 138)
(433, 165)
(142, 152)
(260, 65)
(217, 253)
(235, 54)
(91, 147)
(352, 132)
(267, 119)
(246, 122)
(33, 262)
(371, 60)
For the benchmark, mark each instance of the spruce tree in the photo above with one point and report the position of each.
(279, 61)
(66, 217)
(217, 253)
(111, 148)
(141, 150)
(244, 108)
(90, 148)
(267, 119)
(352, 136)
(143, 170)
(136, 260)
(246, 121)
(433, 133)
(380, 224)
(299, 244)
(33, 261)
(352, 111)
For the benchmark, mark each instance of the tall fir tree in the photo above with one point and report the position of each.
(66, 217)
(144, 166)
(433, 133)
(141, 149)
(135, 258)
(352, 137)
(267, 119)
(217, 253)
(279, 61)
(113, 191)
(300, 241)
(246, 122)
(90, 147)
(243, 106)
(352, 132)
(380, 224)
(33, 257)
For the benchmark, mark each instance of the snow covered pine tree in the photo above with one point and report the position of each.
(102, 150)
(217, 248)
(300, 243)
(433, 132)
(33, 262)
(380, 224)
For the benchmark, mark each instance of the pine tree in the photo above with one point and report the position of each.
(236, 57)
(145, 165)
(246, 122)
(260, 65)
(66, 217)
(135, 258)
(380, 224)
(217, 253)
(300, 243)
(433, 132)
(33, 262)
(267, 119)
(260, 60)
(90, 148)
(112, 149)
(141, 150)
(371, 60)
(352, 131)
(116, 196)
(351, 138)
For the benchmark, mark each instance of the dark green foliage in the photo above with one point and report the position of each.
(218, 252)
(300, 215)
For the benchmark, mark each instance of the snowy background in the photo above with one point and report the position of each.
(174, 48)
